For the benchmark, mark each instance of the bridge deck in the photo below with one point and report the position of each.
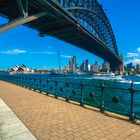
(60, 24)
(50, 118)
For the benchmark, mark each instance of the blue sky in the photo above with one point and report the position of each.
(23, 45)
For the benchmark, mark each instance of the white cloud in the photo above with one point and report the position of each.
(135, 61)
(138, 49)
(132, 55)
(66, 56)
(14, 51)
(43, 53)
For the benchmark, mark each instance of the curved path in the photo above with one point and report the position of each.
(11, 128)
(53, 119)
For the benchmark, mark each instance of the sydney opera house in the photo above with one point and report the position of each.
(20, 69)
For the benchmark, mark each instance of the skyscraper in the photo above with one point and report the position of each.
(95, 67)
(138, 68)
(106, 66)
(85, 65)
(72, 64)
(130, 66)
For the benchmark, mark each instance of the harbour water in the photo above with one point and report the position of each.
(107, 93)
(117, 81)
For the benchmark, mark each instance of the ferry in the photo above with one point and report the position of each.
(107, 76)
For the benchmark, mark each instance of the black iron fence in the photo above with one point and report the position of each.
(124, 101)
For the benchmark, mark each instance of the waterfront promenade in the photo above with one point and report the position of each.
(53, 119)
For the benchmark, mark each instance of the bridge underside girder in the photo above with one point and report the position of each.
(20, 21)
(61, 24)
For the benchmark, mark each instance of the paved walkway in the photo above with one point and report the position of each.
(11, 128)
(52, 119)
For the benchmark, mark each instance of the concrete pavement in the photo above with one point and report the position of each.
(53, 119)
(11, 128)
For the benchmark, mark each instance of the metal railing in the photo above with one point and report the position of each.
(124, 101)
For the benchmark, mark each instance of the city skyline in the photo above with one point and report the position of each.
(84, 67)
(22, 45)
(72, 67)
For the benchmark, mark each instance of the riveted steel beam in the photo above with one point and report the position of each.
(92, 6)
(23, 7)
(20, 21)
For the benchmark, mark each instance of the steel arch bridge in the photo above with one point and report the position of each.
(80, 22)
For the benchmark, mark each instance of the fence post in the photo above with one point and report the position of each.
(40, 85)
(26, 79)
(132, 114)
(29, 83)
(47, 87)
(67, 84)
(22, 82)
(82, 100)
(55, 89)
(17, 80)
(102, 98)
(34, 84)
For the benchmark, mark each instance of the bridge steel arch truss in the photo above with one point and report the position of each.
(80, 22)
(91, 14)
